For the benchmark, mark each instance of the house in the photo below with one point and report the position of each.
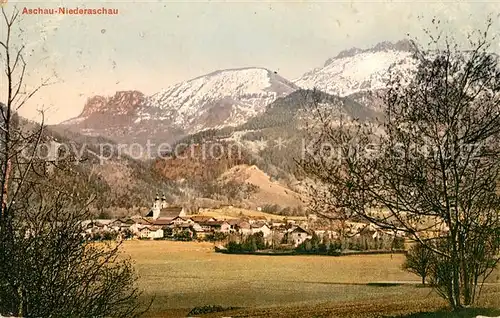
(152, 232)
(234, 225)
(98, 225)
(91, 226)
(355, 228)
(261, 227)
(179, 228)
(157, 206)
(215, 226)
(278, 224)
(244, 227)
(298, 235)
(182, 226)
(162, 222)
(139, 223)
(182, 220)
(257, 218)
(202, 218)
(197, 227)
(193, 229)
(167, 213)
(119, 225)
(359, 229)
(225, 227)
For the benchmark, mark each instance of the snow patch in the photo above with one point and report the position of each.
(244, 92)
(360, 72)
(74, 121)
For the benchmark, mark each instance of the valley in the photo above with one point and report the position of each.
(184, 275)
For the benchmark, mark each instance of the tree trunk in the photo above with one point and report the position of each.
(5, 190)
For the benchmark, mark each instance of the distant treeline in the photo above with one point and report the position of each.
(257, 245)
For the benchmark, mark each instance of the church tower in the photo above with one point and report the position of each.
(163, 201)
(156, 207)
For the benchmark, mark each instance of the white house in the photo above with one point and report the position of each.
(225, 227)
(298, 235)
(151, 232)
(264, 228)
(138, 225)
(182, 220)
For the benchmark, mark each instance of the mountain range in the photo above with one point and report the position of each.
(254, 108)
(219, 99)
(228, 98)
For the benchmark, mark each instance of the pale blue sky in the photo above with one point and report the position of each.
(151, 45)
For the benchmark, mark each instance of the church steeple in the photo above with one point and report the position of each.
(163, 201)
(156, 207)
(156, 204)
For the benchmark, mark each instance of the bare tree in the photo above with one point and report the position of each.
(431, 168)
(419, 260)
(47, 268)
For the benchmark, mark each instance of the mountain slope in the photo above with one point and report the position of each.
(357, 70)
(267, 191)
(271, 140)
(115, 117)
(119, 181)
(222, 98)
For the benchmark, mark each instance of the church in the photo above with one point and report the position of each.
(161, 210)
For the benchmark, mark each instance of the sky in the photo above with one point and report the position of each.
(150, 45)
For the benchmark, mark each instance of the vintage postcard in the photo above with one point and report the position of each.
(249, 158)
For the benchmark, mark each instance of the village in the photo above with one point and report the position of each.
(173, 223)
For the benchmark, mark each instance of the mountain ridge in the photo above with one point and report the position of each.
(360, 70)
(214, 100)
(230, 97)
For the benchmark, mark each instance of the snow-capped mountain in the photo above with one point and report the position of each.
(231, 97)
(219, 99)
(357, 70)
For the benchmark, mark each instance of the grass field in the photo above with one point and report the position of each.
(182, 275)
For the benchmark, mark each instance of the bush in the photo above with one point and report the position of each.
(109, 236)
(168, 232)
(334, 252)
(233, 247)
(398, 243)
(127, 233)
(216, 237)
(252, 243)
(184, 235)
(208, 309)
(322, 248)
(271, 208)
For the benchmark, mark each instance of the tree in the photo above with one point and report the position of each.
(47, 267)
(419, 260)
(430, 167)
(184, 235)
